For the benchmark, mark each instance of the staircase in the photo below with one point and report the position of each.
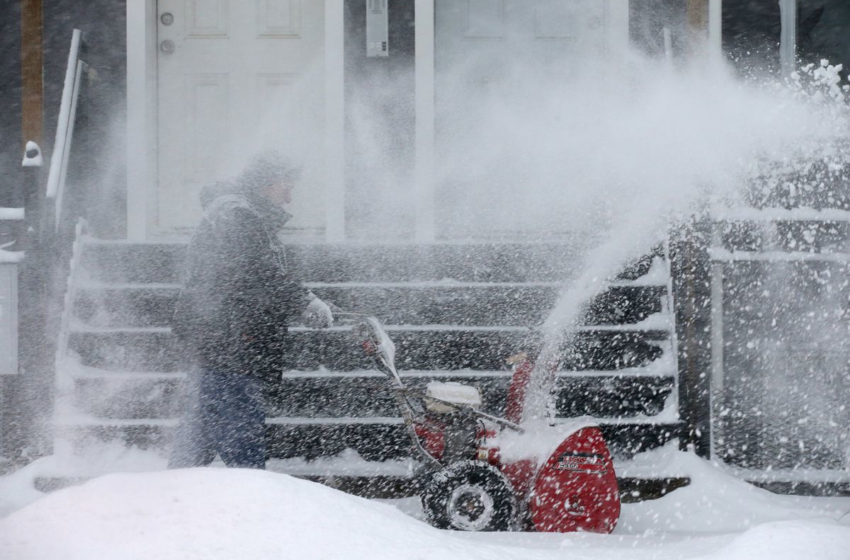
(455, 311)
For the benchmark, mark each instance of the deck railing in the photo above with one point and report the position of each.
(44, 245)
(56, 179)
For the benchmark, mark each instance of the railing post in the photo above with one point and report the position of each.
(31, 195)
(34, 365)
(788, 37)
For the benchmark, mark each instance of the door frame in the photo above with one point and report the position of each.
(141, 118)
(141, 146)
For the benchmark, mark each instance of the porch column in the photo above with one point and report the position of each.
(618, 28)
(704, 19)
(335, 119)
(32, 81)
(141, 114)
(425, 156)
(715, 28)
(788, 37)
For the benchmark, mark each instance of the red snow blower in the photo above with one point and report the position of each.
(485, 473)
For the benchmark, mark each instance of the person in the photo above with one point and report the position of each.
(238, 296)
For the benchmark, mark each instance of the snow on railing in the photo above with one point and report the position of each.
(11, 213)
(10, 257)
(65, 128)
(64, 383)
(32, 155)
(719, 254)
(781, 215)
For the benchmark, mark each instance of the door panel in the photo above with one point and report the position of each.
(206, 18)
(279, 17)
(235, 78)
(205, 98)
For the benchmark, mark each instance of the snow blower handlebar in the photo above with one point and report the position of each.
(375, 341)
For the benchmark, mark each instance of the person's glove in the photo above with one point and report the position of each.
(318, 314)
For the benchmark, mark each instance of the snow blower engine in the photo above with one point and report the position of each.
(480, 472)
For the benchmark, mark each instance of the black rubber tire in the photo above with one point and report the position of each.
(480, 487)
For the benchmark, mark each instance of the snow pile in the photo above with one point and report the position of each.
(790, 540)
(211, 513)
(539, 440)
(18, 489)
(228, 513)
(714, 502)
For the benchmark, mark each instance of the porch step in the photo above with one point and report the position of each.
(122, 262)
(421, 303)
(454, 311)
(145, 349)
(299, 394)
(380, 439)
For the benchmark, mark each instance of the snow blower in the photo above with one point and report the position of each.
(484, 473)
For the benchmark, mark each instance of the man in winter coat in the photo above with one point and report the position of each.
(237, 298)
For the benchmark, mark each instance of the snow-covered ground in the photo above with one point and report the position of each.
(234, 514)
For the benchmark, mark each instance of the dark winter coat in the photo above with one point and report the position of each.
(238, 294)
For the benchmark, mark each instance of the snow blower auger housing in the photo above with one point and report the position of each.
(484, 473)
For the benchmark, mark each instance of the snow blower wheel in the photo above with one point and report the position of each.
(470, 496)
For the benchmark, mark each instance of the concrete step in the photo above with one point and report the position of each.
(453, 311)
(470, 304)
(417, 347)
(123, 262)
(379, 439)
(361, 395)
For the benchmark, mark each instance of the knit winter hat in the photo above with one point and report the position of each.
(268, 168)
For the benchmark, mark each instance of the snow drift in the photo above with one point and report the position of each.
(227, 514)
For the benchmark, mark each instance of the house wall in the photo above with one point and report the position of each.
(11, 148)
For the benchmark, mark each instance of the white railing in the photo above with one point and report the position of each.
(63, 407)
(64, 130)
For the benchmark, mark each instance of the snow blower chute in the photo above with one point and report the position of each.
(485, 473)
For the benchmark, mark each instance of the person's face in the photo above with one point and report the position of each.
(280, 193)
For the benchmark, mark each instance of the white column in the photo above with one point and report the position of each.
(715, 28)
(335, 120)
(618, 28)
(141, 113)
(717, 373)
(788, 37)
(425, 155)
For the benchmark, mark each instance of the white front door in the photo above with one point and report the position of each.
(235, 78)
